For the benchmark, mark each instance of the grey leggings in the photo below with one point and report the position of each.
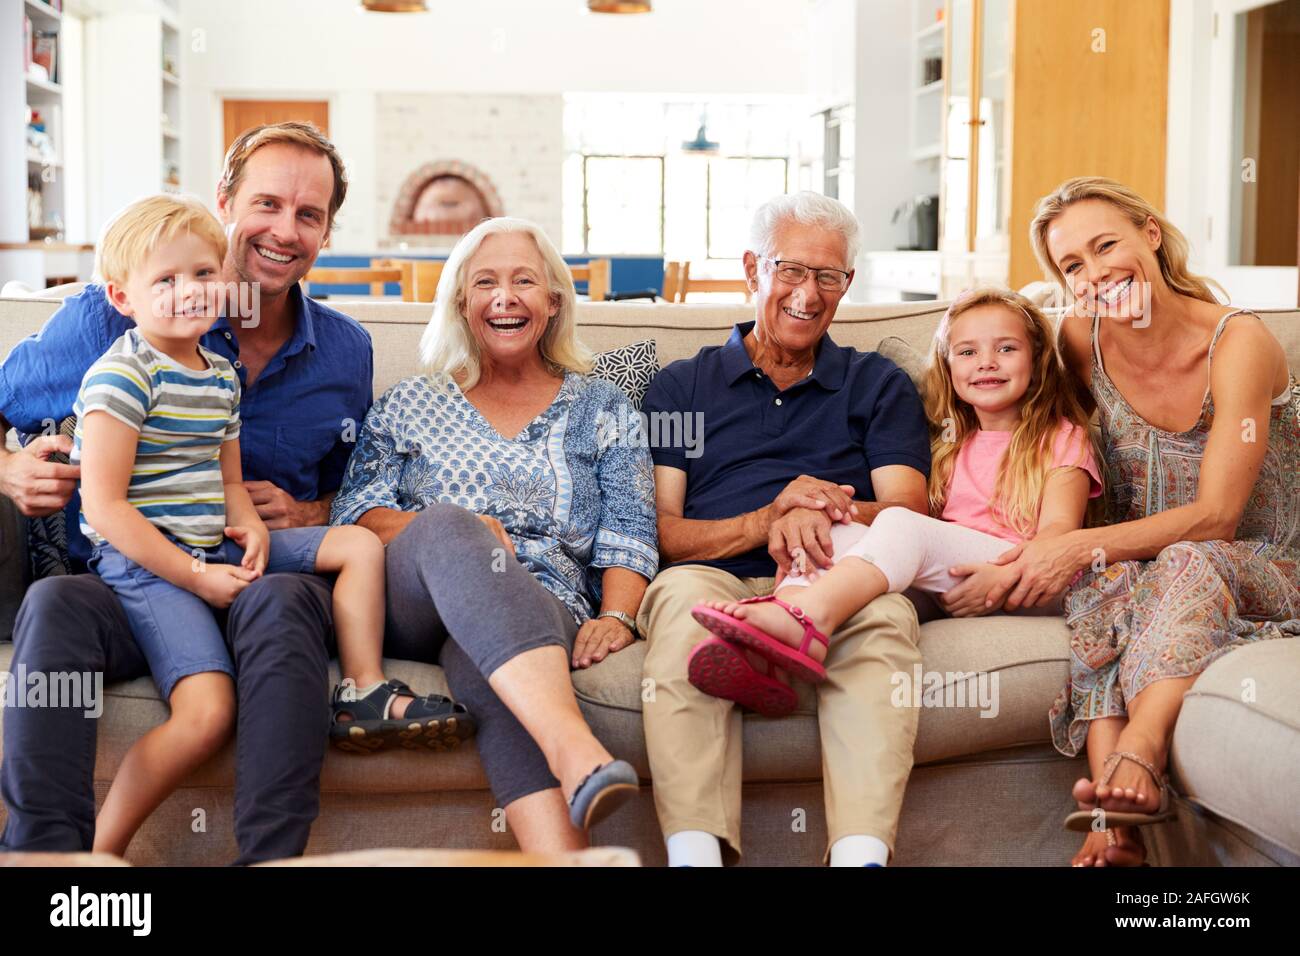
(448, 604)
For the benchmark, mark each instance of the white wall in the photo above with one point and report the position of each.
(326, 49)
(1199, 162)
(517, 141)
(886, 175)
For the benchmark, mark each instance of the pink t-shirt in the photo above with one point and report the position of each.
(975, 475)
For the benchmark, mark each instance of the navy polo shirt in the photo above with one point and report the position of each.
(294, 420)
(856, 411)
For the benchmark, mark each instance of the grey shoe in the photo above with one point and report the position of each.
(601, 793)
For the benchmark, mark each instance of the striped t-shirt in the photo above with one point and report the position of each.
(183, 417)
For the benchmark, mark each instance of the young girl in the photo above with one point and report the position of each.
(1011, 460)
(176, 534)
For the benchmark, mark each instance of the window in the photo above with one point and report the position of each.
(623, 204)
(630, 189)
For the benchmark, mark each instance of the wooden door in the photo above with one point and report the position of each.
(241, 115)
(1091, 84)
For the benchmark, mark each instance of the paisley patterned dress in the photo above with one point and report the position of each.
(1136, 622)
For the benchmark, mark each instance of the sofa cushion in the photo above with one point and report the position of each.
(1025, 660)
(1236, 748)
(1028, 656)
(630, 367)
(905, 357)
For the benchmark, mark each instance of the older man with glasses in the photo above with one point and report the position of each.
(798, 433)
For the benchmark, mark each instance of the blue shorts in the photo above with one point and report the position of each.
(175, 629)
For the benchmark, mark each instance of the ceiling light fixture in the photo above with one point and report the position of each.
(701, 145)
(394, 6)
(618, 6)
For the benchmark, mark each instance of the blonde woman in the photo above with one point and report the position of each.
(1011, 461)
(1200, 428)
(520, 537)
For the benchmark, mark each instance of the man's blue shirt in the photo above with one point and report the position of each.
(856, 411)
(294, 418)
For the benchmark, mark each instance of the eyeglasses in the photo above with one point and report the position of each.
(793, 273)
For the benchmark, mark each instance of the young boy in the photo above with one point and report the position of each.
(176, 534)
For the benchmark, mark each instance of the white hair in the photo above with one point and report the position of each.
(448, 346)
(808, 209)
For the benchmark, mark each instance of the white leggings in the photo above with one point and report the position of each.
(910, 549)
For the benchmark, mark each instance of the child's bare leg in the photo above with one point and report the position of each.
(831, 600)
(357, 556)
(202, 719)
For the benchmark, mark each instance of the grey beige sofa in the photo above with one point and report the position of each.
(985, 790)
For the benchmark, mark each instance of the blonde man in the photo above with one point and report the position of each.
(304, 372)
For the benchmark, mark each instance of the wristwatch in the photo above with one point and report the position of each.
(625, 619)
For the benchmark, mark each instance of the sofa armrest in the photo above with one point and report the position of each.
(14, 571)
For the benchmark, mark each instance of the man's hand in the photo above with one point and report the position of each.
(35, 484)
(817, 495)
(279, 509)
(598, 638)
(498, 531)
(981, 592)
(800, 529)
(256, 542)
(220, 584)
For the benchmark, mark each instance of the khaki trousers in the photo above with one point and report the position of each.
(694, 740)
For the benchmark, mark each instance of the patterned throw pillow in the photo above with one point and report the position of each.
(47, 538)
(630, 367)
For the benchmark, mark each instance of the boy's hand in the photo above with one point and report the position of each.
(256, 543)
(982, 590)
(220, 584)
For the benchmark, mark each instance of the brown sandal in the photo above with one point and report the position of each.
(1081, 821)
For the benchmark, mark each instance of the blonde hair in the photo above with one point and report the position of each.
(293, 134)
(1049, 398)
(1172, 253)
(448, 347)
(133, 234)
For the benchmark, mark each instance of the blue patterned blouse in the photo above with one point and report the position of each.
(575, 494)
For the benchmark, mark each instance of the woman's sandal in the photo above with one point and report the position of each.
(722, 670)
(797, 661)
(601, 792)
(432, 722)
(1081, 820)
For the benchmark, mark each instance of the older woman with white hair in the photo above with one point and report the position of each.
(520, 533)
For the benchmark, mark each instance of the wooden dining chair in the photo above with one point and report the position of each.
(678, 283)
(424, 275)
(596, 274)
(375, 278)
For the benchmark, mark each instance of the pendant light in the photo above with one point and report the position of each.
(618, 6)
(394, 6)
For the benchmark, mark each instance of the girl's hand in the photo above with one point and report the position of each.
(1047, 566)
(597, 639)
(256, 542)
(982, 590)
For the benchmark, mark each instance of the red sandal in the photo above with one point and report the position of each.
(722, 670)
(797, 661)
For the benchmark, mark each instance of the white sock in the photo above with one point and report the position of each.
(694, 848)
(859, 850)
